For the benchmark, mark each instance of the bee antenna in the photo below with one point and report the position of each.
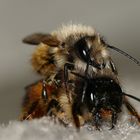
(125, 54)
(131, 96)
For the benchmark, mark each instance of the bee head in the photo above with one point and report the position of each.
(103, 93)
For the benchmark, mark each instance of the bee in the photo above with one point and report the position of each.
(72, 48)
(100, 98)
(70, 59)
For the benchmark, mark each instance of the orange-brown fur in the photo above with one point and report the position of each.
(33, 95)
(41, 61)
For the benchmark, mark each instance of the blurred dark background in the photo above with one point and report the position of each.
(118, 21)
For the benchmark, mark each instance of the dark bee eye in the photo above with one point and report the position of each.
(83, 50)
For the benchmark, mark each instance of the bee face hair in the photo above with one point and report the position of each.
(73, 31)
(76, 40)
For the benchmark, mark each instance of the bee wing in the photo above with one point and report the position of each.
(37, 38)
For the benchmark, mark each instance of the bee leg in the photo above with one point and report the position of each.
(75, 116)
(76, 121)
(44, 91)
(97, 119)
(29, 117)
(67, 67)
(52, 104)
(131, 109)
(86, 71)
(31, 110)
(113, 67)
(51, 112)
(114, 119)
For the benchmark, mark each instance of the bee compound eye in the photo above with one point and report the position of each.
(84, 54)
(83, 50)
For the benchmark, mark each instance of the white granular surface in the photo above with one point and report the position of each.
(44, 129)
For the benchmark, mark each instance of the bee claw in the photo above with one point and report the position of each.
(97, 128)
(112, 127)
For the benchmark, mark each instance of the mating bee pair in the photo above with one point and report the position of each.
(81, 82)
